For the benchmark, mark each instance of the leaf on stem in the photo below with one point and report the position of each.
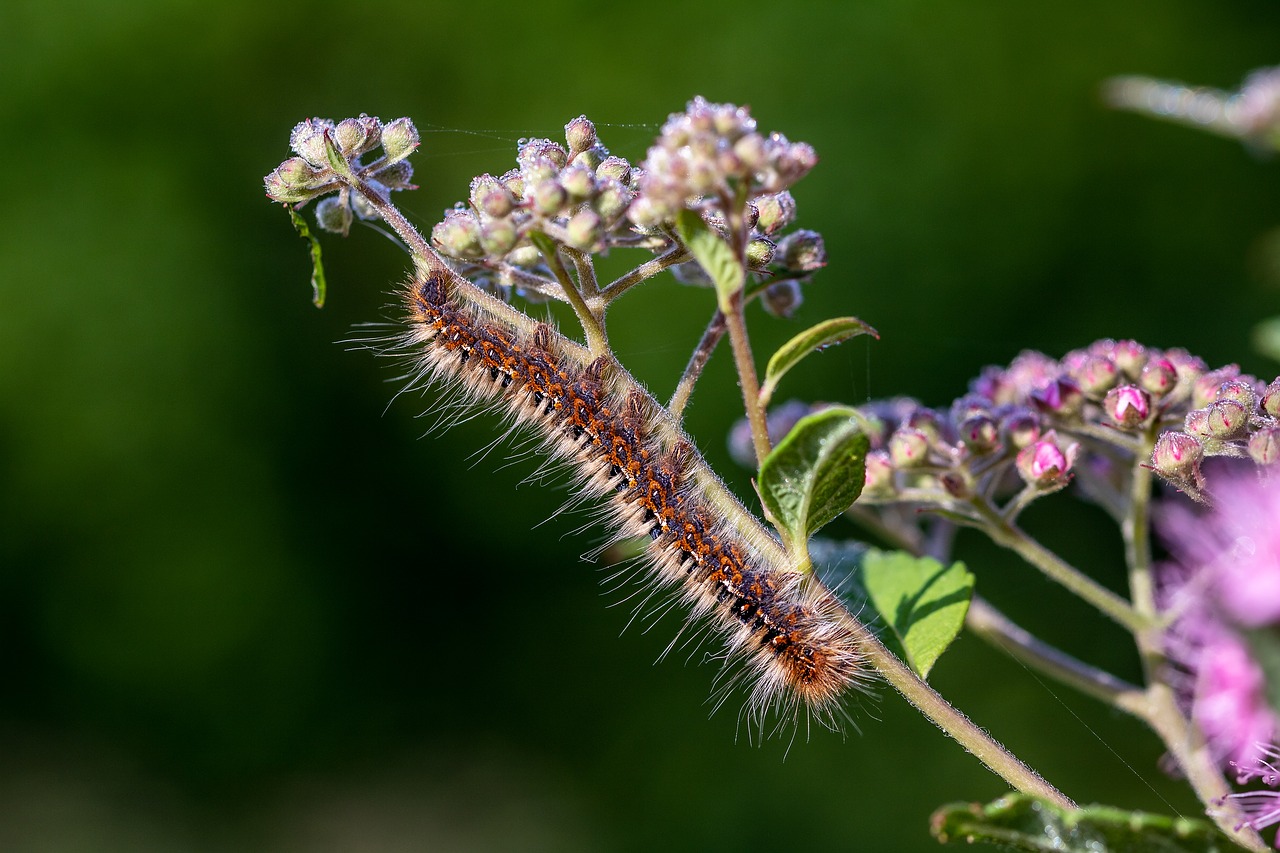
(814, 474)
(318, 285)
(921, 601)
(715, 256)
(814, 339)
(1022, 822)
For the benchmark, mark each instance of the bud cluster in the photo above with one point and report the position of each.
(581, 196)
(330, 159)
(1037, 423)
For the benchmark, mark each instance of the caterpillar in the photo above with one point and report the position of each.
(781, 631)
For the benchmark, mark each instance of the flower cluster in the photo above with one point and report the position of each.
(1222, 594)
(329, 159)
(1038, 423)
(581, 197)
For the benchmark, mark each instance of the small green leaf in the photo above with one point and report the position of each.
(815, 339)
(318, 286)
(715, 255)
(815, 473)
(1022, 822)
(921, 601)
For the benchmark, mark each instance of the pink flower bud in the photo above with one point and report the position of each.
(1095, 375)
(1128, 406)
(1061, 398)
(1044, 464)
(980, 433)
(879, 476)
(1270, 402)
(580, 134)
(1130, 356)
(1264, 446)
(908, 448)
(1159, 377)
(1227, 419)
(1205, 390)
(1176, 456)
(1021, 428)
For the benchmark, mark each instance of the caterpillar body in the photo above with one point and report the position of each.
(785, 635)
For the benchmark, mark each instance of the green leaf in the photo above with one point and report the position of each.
(318, 286)
(815, 339)
(715, 255)
(1022, 822)
(921, 601)
(815, 473)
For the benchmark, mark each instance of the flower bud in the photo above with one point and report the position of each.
(1060, 398)
(307, 141)
(926, 421)
(1176, 456)
(782, 299)
(458, 235)
(879, 474)
(513, 180)
(802, 251)
(1159, 377)
(616, 168)
(584, 230)
(1270, 402)
(1197, 423)
(612, 200)
(980, 433)
(526, 257)
(399, 139)
(397, 176)
(498, 236)
(1095, 375)
(775, 211)
(580, 134)
(908, 448)
(1130, 357)
(1227, 419)
(760, 252)
(579, 182)
(548, 197)
(352, 137)
(1043, 464)
(532, 151)
(1128, 406)
(1264, 446)
(295, 181)
(592, 158)
(1205, 390)
(333, 215)
(1021, 428)
(1239, 390)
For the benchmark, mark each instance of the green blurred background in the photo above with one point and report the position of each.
(244, 606)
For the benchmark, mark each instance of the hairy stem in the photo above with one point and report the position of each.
(676, 255)
(953, 723)
(701, 354)
(747, 377)
(592, 325)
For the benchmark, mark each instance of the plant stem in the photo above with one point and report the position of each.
(993, 626)
(953, 723)
(676, 255)
(701, 354)
(747, 378)
(592, 325)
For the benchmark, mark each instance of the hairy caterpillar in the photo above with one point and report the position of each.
(781, 630)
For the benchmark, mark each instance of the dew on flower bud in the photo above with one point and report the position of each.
(399, 139)
(498, 236)
(1159, 377)
(1270, 402)
(1130, 357)
(351, 135)
(1196, 423)
(1227, 419)
(1095, 375)
(980, 433)
(612, 200)
(1176, 456)
(1264, 446)
(1241, 390)
(578, 181)
(307, 141)
(397, 176)
(534, 152)
(580, 134)
(1061, 398)
(1128, 406)
(458, 235)
(548, 197)
(616, 168)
